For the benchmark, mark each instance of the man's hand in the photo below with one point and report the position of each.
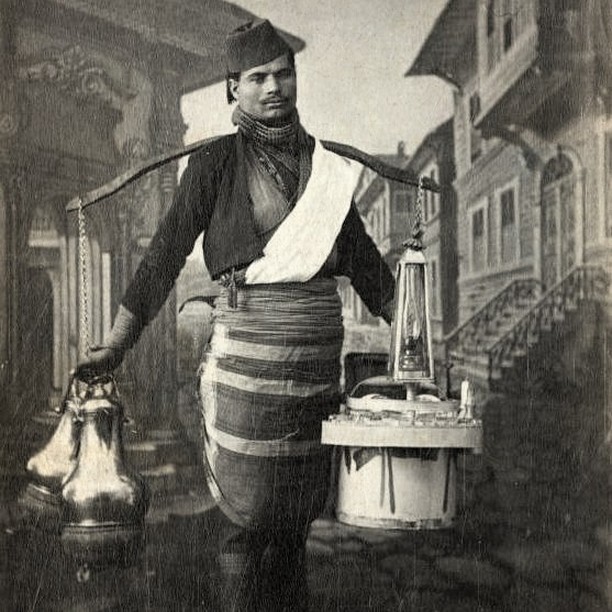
(100, 360)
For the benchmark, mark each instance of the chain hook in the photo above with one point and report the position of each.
(84, 259)
(415, 241)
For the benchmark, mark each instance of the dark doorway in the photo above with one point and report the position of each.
(36, 357)
(558, 232)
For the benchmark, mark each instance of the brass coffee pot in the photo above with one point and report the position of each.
(47, 469)
(104, 502)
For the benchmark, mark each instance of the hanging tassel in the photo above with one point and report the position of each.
(232, 291)
(391, 484)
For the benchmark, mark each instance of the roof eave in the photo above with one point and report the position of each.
(447, 38)
(199, 59)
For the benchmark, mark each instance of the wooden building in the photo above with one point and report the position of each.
(532, 127)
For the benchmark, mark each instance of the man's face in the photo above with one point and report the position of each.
(268, 91)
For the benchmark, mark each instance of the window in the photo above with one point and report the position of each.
(432, 195)
(490, 18)
(430, 198)
(400, 201)
(608, 185)
(492, 46)
(508, 229)
(508, 37)
(479, 238)
(505, 22)
(435, 288)
(475, 135)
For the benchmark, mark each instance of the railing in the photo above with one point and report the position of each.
(485, 321)
(582, 283)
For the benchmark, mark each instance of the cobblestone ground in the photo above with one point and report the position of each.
(532, 534)
(349, 569)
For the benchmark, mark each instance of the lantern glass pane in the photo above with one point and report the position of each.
(414, 344)
(409, 358)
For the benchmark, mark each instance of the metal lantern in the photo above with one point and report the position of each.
(399, 434)
(410, 357)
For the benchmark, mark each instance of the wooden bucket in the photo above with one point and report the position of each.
(397, 488)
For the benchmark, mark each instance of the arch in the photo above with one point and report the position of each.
(564, 151)
(556, 168)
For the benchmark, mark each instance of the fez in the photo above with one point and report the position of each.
(253, 44)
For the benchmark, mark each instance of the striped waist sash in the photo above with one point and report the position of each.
(269, 378)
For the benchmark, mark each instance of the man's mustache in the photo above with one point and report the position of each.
(274, 99)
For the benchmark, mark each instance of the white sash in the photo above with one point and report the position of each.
(303, 241)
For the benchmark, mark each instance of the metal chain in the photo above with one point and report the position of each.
(83, 247)
(415, 241)
(418, 213)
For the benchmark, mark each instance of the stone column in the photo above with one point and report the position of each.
(5, 271)
(8, 128)
(15, 377)
(167, 129)
(14, 248)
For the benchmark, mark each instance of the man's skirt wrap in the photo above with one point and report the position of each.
(269, 378)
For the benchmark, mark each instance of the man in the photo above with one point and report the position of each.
(279, 224)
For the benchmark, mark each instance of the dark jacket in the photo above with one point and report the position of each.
(214, 199)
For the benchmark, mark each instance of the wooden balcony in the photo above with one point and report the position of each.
(514, 64)
(521, 88)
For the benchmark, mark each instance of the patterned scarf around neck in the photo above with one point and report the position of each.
(283, 151)
(267, 135)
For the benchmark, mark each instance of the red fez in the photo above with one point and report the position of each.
(253, 44)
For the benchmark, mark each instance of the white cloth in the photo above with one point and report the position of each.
(303, 241)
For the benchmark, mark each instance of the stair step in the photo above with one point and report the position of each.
(470, 352)
(490, 339)
(479, 360)
(167, 480)
(143, 454)
(180, 505)
(508, 322)
(475, 369)
(526, 304)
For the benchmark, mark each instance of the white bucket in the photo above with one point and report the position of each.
(394, 491)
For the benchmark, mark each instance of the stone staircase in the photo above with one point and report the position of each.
(468, 346)
(519, 326)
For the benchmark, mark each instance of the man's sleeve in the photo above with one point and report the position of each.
(173, 241)
(367, 270)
